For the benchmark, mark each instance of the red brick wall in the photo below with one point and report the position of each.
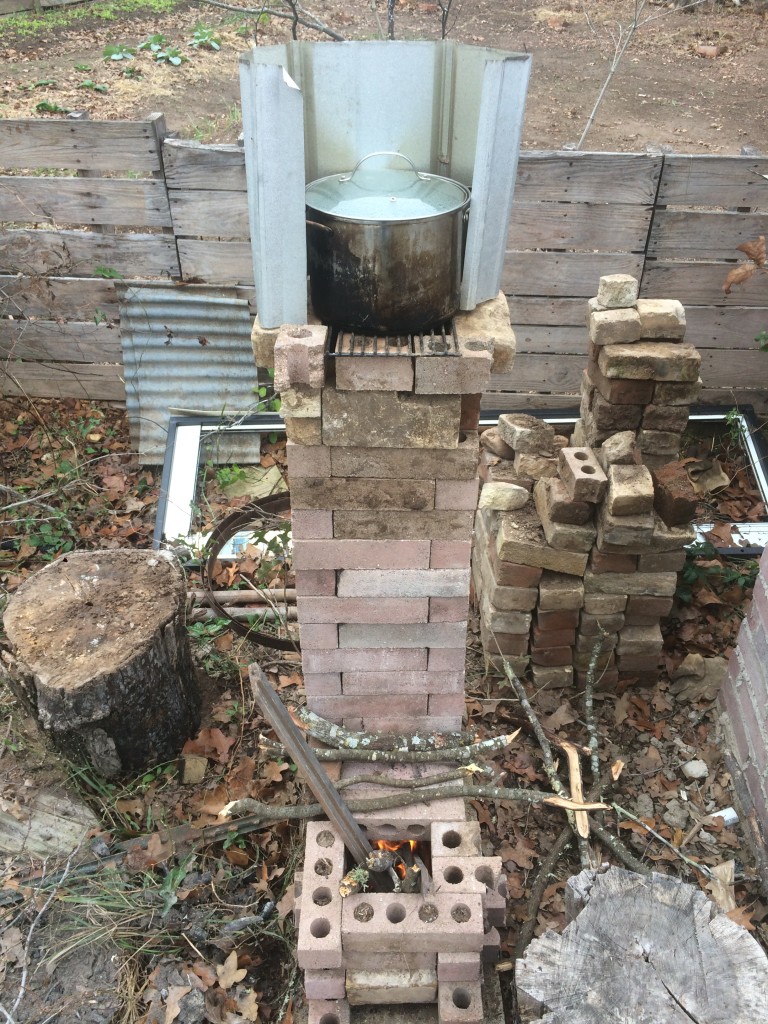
(744, 698)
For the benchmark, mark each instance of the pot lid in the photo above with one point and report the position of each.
(385, 194)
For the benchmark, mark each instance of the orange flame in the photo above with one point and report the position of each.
(387, 844)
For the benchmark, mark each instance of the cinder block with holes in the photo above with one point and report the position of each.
(319, 940)
(582, 474)
(389, 922)
(455, 839)
(328, 1011)
(465, 874)
(460, 1003)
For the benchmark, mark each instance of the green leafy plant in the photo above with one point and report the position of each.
(82, 67)
(107, 272)
(41, 83)
(205, 38)
(161, 51)
(228, 475)
(704, 566)
(762, 341)
(46, 107)
(89, 83)
(118, 51)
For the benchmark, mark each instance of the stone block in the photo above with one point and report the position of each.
(624, 532)
(582, 661)
(493, 442)
(672, 418)
(377, 706)
(449, 609)
(455, 839)
(676, 393)
(617, 291)
(552, 676)
(365, 683)
(513, 644)
(550, 656)
(534, 466)
(315, 582)
(403, 525)
(390, 961)
(374, 373)
(492, 469)
(607, 416)
(390, 419)
(403, 583)
(489, 322)
(503, 497)
(393, 922)
(503, 598)
(400, 463)
(328, 1011)
(491, 946)
(560, 592)
(650, 360)
(630, 490)
(325, 984)
(503, 622)
(468, 373)
(588, 643)
(648, 607)
(560, 507)
(665, 561)
(614, 326)
(460, 1003)
(604, 604)
(363, 610)
(661, 318)
(541, 638)
(565, 536)
(360, 554)
(412, 659)
(675, 499)
(308, 525)
(527, 434)
(365, 493)
(638, 664)
(470, 412)
(304, 431)
(449, 554)
(300, 356)
(652, 584)
(453, 967)
(318, 636)
(324, 684)
(416, 634)
(263, 344)
(593, 625)
(377, 987)
(582, 474)
(499, 664)
(522, 540)
(619, 450)
(456, 494)
(645, 640)
(618, 391)
(447, 659)
(308, 460)
(606, 680)
(457, 874)
(599, 561)
(447, 707)
(565, 618)
(319, 940)
(301, 402)
(659, 442)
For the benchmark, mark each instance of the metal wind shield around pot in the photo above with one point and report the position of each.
(385, 247)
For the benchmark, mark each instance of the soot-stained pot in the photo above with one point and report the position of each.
(385, 248)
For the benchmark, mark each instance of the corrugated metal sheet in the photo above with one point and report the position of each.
(186, 350)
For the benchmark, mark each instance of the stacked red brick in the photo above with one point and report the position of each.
(600, 556)
(382, 461)
(384, 948)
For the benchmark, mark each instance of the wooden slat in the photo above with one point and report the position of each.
(82, 145)
(210, 214)
(734, 329)
(27, 251)
(540, 372)
(192, 165)
(522, 401)
(704, 236)
(587, 177)
(551, 340)
(63, 380)
(565, 274)
(81, 298)
(721, 369)
(724, 181)
(700, 284)
(84, 201)
(215, 262)
(548, 312)
(578, 226)
(68, 341)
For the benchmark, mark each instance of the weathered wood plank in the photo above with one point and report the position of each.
(551, 340)
(215, 262)
(734, 329)
(587, 177)
(31, 252)
(566, 274)
(82, 145)
(718, 398)
(585, 226)
(78, 201)
(724, 181)
(68, 341)
(542, 372)
(700, 284)
(190, 164)
(528, 309)
(63, 380)
(705, 236)
(721, 369)
(210, 214)
(80, 298)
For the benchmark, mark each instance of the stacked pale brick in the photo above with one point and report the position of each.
(599, 555)
(382, 462)
(384, 948)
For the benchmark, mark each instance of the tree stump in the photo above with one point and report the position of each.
(100, 655)
(643, 950)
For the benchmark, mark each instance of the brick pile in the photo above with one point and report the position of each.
(385, 948)
(584, 538)
(382, 461)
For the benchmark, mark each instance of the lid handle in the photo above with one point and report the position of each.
(386, 152)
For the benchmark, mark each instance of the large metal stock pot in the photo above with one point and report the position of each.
(385, 247)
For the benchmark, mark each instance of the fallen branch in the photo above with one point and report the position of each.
(589, 705)
(377, 779)
(677, 852)
(337, 736)
(463, 755)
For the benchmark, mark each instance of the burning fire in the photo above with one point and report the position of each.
(404, 846)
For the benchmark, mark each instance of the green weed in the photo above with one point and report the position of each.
(205, 38)
(228, 475)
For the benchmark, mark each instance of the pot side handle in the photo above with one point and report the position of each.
(319, 226)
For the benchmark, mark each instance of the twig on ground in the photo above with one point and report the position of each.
(686, 860)
(337, 736)
(563, 841)
(464, 755)
(589, 705)
(391, 782)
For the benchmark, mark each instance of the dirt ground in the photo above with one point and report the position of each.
(667, 91)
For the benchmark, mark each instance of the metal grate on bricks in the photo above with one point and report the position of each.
(435, 341)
